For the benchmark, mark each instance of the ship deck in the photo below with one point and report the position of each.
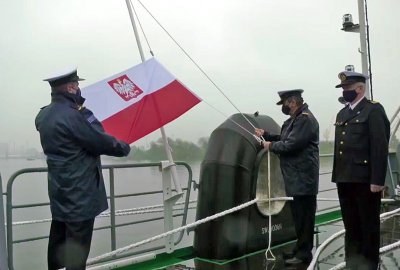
(183, 259)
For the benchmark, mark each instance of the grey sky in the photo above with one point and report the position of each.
(252, 49)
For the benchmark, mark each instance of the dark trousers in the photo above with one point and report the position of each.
(360, 212)
(303, 212)
(69, 244)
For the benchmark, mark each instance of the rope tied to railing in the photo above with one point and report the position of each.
(159, 208)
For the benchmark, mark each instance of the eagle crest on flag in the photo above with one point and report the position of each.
(125, 88)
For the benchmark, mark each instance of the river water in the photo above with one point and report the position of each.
(32, 188)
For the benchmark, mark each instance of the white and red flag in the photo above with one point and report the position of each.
(137, 101)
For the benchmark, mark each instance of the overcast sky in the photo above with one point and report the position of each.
(251, 49)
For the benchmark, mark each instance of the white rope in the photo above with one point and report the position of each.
(389, 214)
(153, 209)
(123, 212)
(322, 247)
(17, 223)
(339, 266)
(318, 199)
(383, 216)
(269, 251)
(144, 208)
(152, 239)
(142, 212)
(381, 250)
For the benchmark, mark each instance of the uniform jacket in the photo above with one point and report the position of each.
(297, 147)
(361, 144)
(73, 140)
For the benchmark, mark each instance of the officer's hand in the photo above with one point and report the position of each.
(376, 188)
(259, 132)
(125, 148)
(266, 145)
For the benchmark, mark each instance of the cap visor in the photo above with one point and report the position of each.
(280, 102)
(345, 83)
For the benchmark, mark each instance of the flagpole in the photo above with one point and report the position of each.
(164, 136)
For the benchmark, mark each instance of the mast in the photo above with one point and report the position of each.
(363, 45)
(361, 28)
(164, 136)
(168, 167)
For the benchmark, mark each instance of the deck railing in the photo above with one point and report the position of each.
(112, 198)
(393, 176)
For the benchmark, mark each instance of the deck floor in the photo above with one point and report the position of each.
(331, 256)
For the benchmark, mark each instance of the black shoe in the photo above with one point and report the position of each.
(293, 261)
(287, 255)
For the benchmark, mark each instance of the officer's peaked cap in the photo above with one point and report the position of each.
(64, 76)
(350, 77)
(288, 93)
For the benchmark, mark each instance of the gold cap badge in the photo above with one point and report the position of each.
(342, 76)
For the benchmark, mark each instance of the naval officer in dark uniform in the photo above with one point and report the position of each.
(73, 140)
(359, 170)
(298, 150)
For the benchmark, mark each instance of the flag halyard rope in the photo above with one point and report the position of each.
(269, 251)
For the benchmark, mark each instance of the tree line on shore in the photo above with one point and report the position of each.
(188, 151)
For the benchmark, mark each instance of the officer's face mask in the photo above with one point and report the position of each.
(79, 99)
(78, 92)
(285, 109)
(349, 95)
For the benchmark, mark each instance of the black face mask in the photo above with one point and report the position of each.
(286, 109)
(349, 95)
(78, 97)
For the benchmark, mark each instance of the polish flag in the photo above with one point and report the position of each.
(137, 101)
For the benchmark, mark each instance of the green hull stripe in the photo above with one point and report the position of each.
(178, 256)
(162, 260)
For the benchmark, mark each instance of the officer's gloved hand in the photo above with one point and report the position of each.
(125, 148)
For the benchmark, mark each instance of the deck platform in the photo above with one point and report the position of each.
(331, 256)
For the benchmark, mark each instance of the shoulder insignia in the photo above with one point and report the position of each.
(44, 107)
(305, 113)
(80, 108)
(373, 101)
(91, 118)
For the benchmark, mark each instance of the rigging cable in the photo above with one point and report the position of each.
(141, 28)
(195, 63)
(151, 52)
(368, 49)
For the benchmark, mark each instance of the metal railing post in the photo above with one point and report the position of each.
(112, 210)
(169, 201)
(9, 226)
(3, 249)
